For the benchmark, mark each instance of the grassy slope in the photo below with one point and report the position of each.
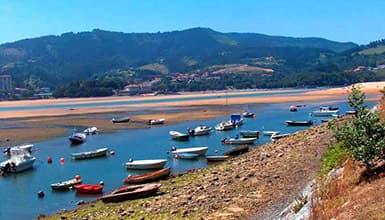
(373, 51)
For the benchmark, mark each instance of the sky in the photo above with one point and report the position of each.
(358, 21)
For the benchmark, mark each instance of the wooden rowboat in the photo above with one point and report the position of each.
(89, 188)
(148, 177)
(216, 158)
(131, 192)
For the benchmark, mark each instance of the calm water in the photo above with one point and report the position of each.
(273, 93)
(19, 191)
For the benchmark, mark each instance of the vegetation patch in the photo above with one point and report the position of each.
(333, 158)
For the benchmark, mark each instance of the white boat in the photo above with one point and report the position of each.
(248, 115)
(91, 130)
(101, 152)
(269, 133)
(179, 136)
(239, 140)
(325, 112)
(224, 126)
(77, 138)
(156, 121)
(19, 161)
(25, 147)
(278, 136)
(200, 130)
(66, 185)
(145, 164)
(187, 156)
(192, 150)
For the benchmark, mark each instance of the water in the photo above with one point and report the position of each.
(19, 191)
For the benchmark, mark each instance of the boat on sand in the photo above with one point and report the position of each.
(148, 177)
(145, 164)
(131, 192)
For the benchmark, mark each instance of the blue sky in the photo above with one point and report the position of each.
(341, 20)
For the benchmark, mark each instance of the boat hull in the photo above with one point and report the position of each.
(239, 141)
(216, 158)
(66, 185)
(136, 193)
(89, 188)
(148, 177)
(194, 150)
(90, 154)
(237, 151)
(146, 165)
(249, 134)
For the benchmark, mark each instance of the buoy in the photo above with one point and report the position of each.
(40, 194)
(78, 177)
(101, 183)
(49, 159)
(176, 156)
(112, 153)
(61, 160)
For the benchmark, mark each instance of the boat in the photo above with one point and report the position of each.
(148, 177)
(299, 123)
(325, 111)
(89, 188)
(236, 119)
(217, 158)
(101, 152)
(224, 126)
(66, 185)
(25, 147)
(91, 130)
(193, 150)
(77, 138)
(351, 112)
(145, 164)
(19, 161)
(237, 151)
(199, 130)
(269, 133)
(156, 121)
(178, 136)
(248, 115)
(249, 133)
(186, 156)
(120, 120)
(326, 120)
(131, 192)
(238, 140)
(293, 108)
(278, 136)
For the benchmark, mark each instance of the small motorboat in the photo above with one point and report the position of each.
(66, 185)
(178, 136)
(248, 115)
(101, 152)
(278, 136)
(199, 130)
(237, 151)
(238, 140)
(217, 158)
(145, 164)
(351, 112)
(299, 123)
(159, 121)
(193, 150)
(131, 192)
(269, 133)
(148, 177)
(224, 126)
(19, 161)
(325, 112)
(77, 138)
(250, 133)
(120, 120)
(89, 188)
(91, 130)
(293, 108)
(186, 156)
(25, 147)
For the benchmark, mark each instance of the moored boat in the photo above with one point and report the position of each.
(237, 151)
(325, 111)
(199, 130)
(248, 115)
(156, 121)
(120, 120)
(131, 192)
(178, 136)
(238, 140)
(250, 133)
(217, 158)
(236, 119)
(278, 136)
(91, 130)
(193, 150)
(148, 177)
(224, 126)
(293, 108)
(25, 147)
(299, 123)
(186, 156)
(101, 152)
(66, 185)
(269, 133)
(89, 188)
(145, 164)
(19, 161)
(77, 138)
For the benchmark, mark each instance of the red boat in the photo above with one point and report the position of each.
(89, 188)
(148, 177)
